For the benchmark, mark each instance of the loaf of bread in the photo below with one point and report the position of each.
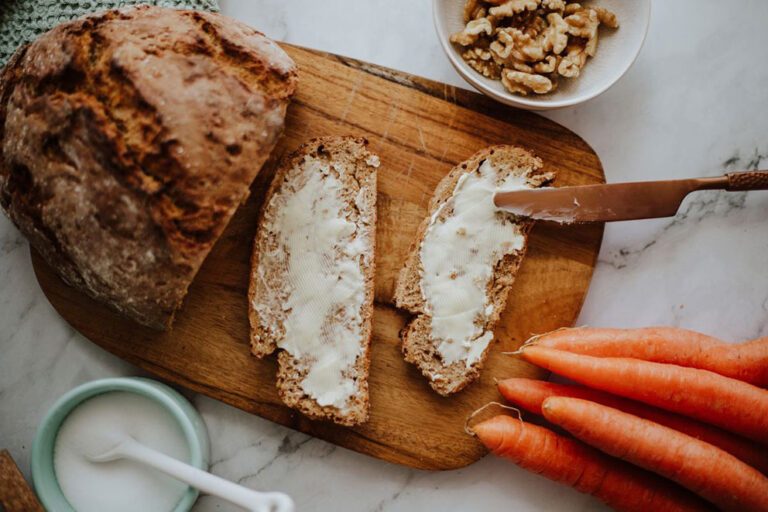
(311, 289)
(462, 265)
(129, 138)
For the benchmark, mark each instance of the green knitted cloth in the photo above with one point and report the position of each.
(23, 20)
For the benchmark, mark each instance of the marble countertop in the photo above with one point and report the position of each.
(693, 104)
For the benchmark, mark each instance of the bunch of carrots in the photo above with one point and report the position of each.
(666, 420)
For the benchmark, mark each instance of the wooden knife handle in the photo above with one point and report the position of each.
(752, 180)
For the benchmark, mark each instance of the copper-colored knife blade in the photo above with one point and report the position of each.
(604, 203)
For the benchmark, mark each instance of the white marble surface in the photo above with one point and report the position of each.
(693, 104)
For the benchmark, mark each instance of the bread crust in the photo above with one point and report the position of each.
(264, 337)
(129, 139)
(417, 345)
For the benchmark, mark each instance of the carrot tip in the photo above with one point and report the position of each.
(471, 432)
(533, 339)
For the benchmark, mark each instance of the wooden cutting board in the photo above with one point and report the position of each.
(421, 129)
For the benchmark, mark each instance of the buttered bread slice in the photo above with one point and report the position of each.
(311, 289)
(462, 265)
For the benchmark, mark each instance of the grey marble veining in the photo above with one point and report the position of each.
(693, 105)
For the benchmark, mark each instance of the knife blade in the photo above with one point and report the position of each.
(618, 201)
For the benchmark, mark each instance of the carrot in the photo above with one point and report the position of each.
(704, 469)
(530, 394)
(743, 361)
(559, 458)
(733, 405)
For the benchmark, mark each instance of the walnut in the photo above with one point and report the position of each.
(573, 61)
(501, 52)
(480, 13)
(513, 87)
(556, 34)
(553, 5)
(606, 17)
(482, 61)
(523, 83)
(512, 7)
(472, 32)
(530, 44)
(474, 9)
(470, 7)
(521, 66)
(519, 45)
(503, 57)
(572, 8)
(583, 23)
(548, 65)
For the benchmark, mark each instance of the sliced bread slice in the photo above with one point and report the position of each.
(311, 288)
(462, 265)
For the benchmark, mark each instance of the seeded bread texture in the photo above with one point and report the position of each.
(129, 139)
(356, 167)
(417, 344)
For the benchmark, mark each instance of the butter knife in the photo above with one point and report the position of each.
(619, 201)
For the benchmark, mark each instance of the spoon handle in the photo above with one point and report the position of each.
(211, 484)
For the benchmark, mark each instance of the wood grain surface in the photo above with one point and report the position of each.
(420, 129)
(15, 493)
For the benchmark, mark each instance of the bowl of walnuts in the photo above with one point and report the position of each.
(542, 54)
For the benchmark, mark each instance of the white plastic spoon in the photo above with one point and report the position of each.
(254, 501)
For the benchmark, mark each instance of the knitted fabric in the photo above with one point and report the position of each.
(23, 20)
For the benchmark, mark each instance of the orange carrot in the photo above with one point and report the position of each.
(704, 469)
(733, 405)
(559, 458)
(742, 361)
(530, 394)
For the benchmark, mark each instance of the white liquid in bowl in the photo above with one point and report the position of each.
(122, 485)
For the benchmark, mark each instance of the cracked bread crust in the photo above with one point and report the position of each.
(417, 344)
(267, 293)
(129, 139)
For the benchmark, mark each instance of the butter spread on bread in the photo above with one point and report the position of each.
(462, 265)
(312, 277)
(458, 254)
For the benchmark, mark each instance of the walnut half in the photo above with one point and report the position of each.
(482, 61)
(523, 83)
(472, 32)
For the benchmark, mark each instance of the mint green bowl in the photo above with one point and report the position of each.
(43, 473)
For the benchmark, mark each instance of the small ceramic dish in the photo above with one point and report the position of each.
(43, 473)
(616, 52)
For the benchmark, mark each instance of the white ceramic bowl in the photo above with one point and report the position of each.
(616, 52)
